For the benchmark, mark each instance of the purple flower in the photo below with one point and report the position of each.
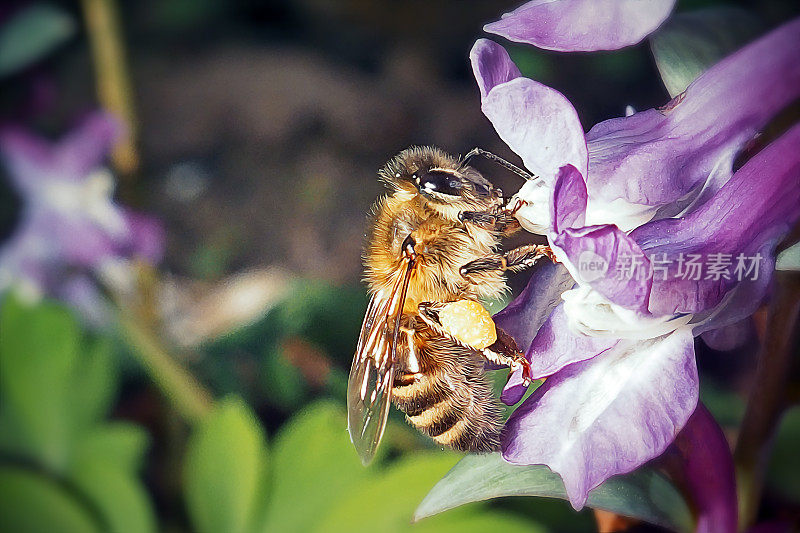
(626, 208)
(70, 229)
(659, 159)
(700, 461)
(582, 25)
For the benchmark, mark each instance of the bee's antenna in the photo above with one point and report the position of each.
(524, 174)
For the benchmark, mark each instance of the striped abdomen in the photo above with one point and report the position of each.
(450, 399)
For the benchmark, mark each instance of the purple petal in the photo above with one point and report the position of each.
(557, 346)
(739, 303)
(568, 208)
(749, 215)
(28, 159)
(603, 257)
(77, 242)
(535, 121)
(491, 65)
(659, 156)
(554, 347)
(608, 415)
(729, 337)
(623, 275)
(706, 470)
(25, 257)
(582, 25)
(514, 389)
(85, 147)
(523, 317)
(31, 161)
(147, 237)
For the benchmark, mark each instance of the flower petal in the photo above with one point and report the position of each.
(28, 159)
(739, 303)
(539, 124)
(557, 346)
(85, 147)
(568, 208)
(608, 260)
(491, 65)
(523, 317)
(659, 156)
(730, 337)
(589, 313)
(582, 25)
(146, 237)
(706, 470)
(607, 415)
(514, 389)
(603, 257)
(749, 215)
(535, 121)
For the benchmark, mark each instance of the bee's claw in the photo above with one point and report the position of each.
(518, 204)
(548, 252)
(527, 373)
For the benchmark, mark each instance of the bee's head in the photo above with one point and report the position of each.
(446, 186)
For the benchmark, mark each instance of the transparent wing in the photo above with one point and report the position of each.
(369, 387)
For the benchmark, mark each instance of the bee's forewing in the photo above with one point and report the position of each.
(367, 413)
(369, 387)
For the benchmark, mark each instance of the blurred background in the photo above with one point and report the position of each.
(254, 131)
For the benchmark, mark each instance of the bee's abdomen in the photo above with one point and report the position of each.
(451, 401)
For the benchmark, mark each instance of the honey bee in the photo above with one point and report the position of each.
(431, 254)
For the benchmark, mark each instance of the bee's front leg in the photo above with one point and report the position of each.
(514, 260)
(501, 221)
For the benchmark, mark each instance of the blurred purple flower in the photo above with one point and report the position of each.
(582, 25)
(639, 195)
(70, 229)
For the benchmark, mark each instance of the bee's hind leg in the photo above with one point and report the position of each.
(514, 260)
(504, 351)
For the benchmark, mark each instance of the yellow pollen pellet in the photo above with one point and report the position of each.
(469, 322)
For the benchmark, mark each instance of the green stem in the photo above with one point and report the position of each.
(768, 396)
(190, 399)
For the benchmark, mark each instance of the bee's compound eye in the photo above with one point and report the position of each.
(438, 181)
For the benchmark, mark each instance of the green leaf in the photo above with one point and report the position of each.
(689, 43)
(783, 474)
(789, 259)
(315, 462)
(34, 504)
(31, 34)
(120, 444)
(38, 353)
(643, 494)
(283, 383)
(225, 464)
(94, 383)
(476, 522)
(386, 503)
(118, 496)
